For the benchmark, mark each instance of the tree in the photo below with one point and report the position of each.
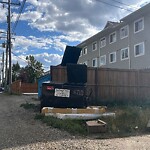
(32, 71)
(29, 73)
(15, 71)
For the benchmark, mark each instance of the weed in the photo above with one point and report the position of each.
(129, 120)
(28, 105)
(70, 125)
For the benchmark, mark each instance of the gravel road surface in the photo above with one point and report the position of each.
(19, 131)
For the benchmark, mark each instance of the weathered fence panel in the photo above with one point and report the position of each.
(58, 74)
(16, 87)
(29, 88)
(19, 87)
(112, 84)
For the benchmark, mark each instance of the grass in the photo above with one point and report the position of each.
(31, 106)
(130, 120)
(28, 105)
(70, 125)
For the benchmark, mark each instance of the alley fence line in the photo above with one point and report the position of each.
(112, 84)
(19, 87)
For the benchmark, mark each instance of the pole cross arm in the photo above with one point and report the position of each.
(17, 4)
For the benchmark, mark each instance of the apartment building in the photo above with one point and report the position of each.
(124, 45)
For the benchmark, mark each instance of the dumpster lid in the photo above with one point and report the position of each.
(71, 55)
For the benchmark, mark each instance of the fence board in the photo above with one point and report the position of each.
(19, 87)
(112, 84)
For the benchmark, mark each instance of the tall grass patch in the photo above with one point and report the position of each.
(129, 120)
(70, 125)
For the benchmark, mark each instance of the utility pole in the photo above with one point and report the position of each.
(3, 69)
(6, 65)
(9, 44)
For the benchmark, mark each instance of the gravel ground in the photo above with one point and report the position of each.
(19, 131)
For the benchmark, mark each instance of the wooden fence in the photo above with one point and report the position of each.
(19, 87)
(112, 84)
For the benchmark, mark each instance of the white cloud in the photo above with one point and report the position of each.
(23, 44)
(46, 59)
(78, 19)
(20, 59)
(74, 21)
(3, 12)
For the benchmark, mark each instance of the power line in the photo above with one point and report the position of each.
(18, 17)
(120, 2)
(113, 5)
(19, 57)
(10, 3)
(25, 61)
(124, 4)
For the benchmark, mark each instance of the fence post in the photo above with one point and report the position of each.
(96, 85)
(19, 87)
(138, 85)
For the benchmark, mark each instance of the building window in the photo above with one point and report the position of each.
(103, 60)
(124, 53)
(138, 25)
(94, 62)
(103, 42)
(139, 49)
(84, 50)
(112, 57)
(94, 46)
(124, 32)
(112, 37)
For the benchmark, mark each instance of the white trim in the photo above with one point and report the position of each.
(95, 62)
(115, 37)
(100, 60)
(96, 46)
(143, 49)
(125, 27)
(142, 25)
(101, 46)
(84, 49)
(115, 57)
(121, 53)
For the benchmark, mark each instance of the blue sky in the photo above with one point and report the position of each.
(47, 26)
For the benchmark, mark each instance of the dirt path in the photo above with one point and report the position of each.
(18, 127)
(19, 131)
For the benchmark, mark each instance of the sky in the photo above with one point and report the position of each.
(45, 27)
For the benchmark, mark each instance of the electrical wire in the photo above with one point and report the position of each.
(27, 62)
(114, 5)
(18, 17)
(19, 57)
(124, 4)
(120, 2)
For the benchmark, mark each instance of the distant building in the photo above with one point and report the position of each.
(123, 45)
